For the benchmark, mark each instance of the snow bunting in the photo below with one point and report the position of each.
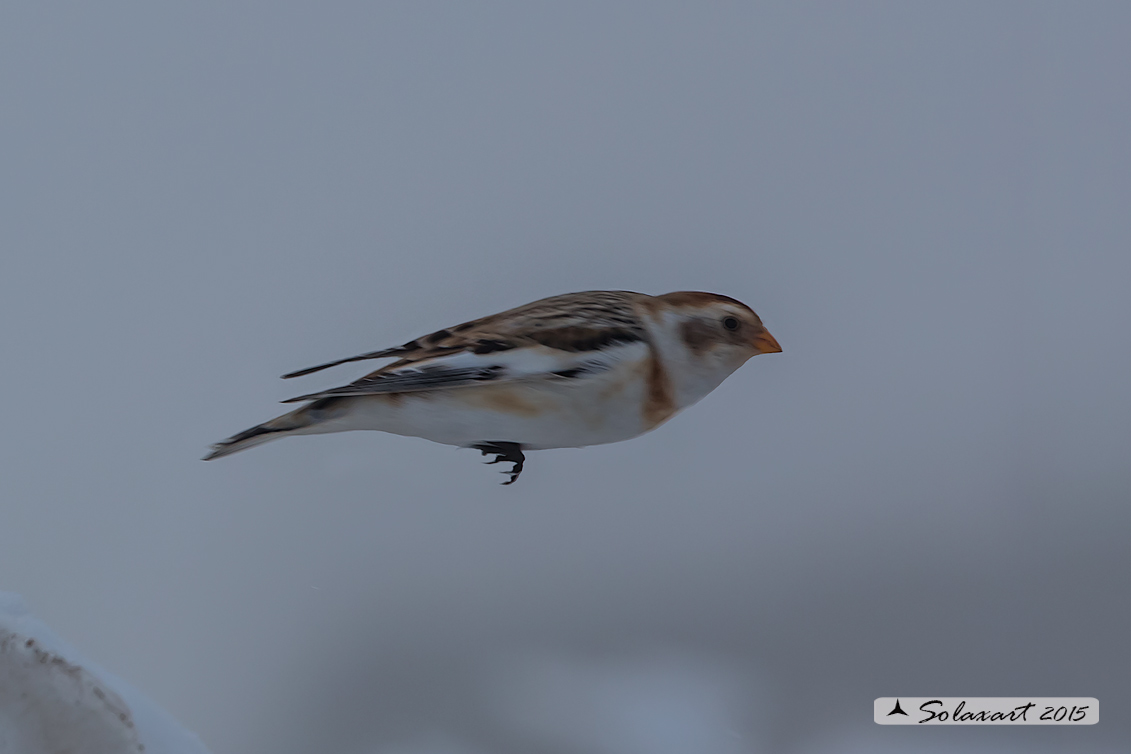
(563, 372)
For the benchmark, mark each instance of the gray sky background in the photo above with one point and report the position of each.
(926, 493)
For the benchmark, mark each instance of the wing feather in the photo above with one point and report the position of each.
(383, 354)
(562, 337)
(410, 380)
(465, 369)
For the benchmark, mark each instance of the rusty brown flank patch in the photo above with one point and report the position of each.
(659, 404)
(507, 399)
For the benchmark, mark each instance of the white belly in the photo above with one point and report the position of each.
(537, 414)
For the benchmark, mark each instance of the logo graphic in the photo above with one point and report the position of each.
(897, 710)
(986, 710)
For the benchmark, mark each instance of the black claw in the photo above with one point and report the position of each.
(504, 451)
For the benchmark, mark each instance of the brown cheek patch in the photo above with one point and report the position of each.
(697, 335)
(659, 405)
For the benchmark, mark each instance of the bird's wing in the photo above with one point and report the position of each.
(564, 337)
(529, 362)
(569, 322)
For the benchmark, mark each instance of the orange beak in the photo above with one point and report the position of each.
(763, 342)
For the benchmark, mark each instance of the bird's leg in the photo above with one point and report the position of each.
(504, 451)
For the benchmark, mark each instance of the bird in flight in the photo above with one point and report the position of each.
(563, 372)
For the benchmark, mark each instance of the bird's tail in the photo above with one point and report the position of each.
(300, 421)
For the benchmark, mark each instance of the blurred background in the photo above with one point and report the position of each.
(927, 493)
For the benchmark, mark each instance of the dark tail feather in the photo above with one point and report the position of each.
(293, 423)
(246, 439)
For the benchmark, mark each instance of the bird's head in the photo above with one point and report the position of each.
(718, 329)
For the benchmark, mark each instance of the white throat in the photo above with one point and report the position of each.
(692, 374)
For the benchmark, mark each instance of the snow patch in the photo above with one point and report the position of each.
(52, 700)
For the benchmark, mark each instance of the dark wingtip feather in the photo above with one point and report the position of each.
(382, 354)
(304, 372)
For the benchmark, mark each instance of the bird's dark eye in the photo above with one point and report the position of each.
(730, 323)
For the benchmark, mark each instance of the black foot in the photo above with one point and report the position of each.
(504, 451)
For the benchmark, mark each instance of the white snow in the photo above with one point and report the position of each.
(52, 701)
